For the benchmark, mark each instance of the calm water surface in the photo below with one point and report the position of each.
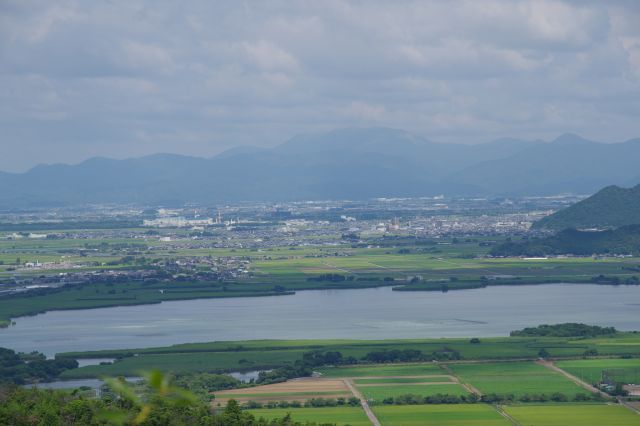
(356, 314)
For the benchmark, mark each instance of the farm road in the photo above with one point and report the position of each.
(365, 405)
(468, 386)
(506, 415)
(551, 366)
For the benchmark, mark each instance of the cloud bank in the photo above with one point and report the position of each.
(128, 78)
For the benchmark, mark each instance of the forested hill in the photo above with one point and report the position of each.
(610, 207)
(623, 240)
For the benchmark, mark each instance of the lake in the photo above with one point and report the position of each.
(377, 313)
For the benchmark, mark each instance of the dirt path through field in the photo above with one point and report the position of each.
(337, 269)
(506, 415)
(551, 366)
(629, 405)
(365, 405)
(462, 265)
(470, 388)
(380, 266)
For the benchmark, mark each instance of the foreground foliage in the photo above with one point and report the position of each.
(160, 404)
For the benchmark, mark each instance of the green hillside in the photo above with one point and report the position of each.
(624, 240)
(610, 207)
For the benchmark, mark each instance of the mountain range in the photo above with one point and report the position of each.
(350, 163)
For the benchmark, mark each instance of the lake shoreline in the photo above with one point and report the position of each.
(376, 313)
(418, 287)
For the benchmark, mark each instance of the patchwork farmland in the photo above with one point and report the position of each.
(348, 395)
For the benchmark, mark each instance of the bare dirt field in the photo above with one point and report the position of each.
(292, 390)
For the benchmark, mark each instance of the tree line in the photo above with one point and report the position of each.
(569, 329)
(20, 368)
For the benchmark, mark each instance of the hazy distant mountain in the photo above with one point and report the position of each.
(568, 164)
(240, 150)
(611, 207)
(351, 163)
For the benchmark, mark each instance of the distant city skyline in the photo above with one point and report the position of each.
(126, 79)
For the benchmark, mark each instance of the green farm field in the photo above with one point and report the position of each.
(518, 378)
(590, 370)
(573, 415)
(489, 348)
(378, 393)
(383, 370)
(439, 415)
(396, 380)
(377, 262)
(353, 416)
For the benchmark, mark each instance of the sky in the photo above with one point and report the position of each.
(129, 78)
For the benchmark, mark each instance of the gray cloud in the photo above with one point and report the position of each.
(126, 78)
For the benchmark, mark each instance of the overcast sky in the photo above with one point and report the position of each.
(128, 78)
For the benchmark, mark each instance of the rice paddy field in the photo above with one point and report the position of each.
(464, 415)
(383, 370)
(376, 394)
(518, 378)
(402, 380)
(376, 383)
(341, 416)
(439, 415)
(573, 415)
(447, 261)
(591, 370)
(287, 262)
